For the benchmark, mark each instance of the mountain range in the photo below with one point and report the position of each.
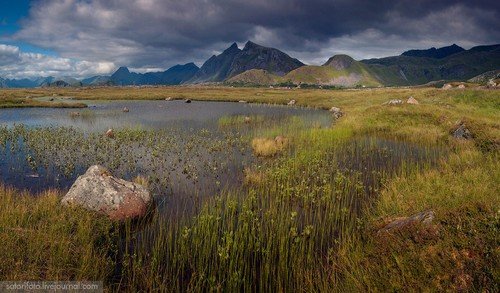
(259, 65)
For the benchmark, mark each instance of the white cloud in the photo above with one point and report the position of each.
(17, 64)
(8, 54)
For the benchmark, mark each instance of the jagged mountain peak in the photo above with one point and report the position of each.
(233, 48)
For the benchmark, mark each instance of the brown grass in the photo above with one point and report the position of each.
(267, 147)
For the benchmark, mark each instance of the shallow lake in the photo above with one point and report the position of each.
(186, 151)
(102, 115)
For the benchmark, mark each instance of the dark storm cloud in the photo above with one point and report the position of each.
(160, 33)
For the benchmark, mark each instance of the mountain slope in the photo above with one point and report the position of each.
(486, 77)
(410, 70)
(97, 80)
(178, 74)
(255, 77)
(339, 70)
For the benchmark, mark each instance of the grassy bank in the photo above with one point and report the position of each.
(14, 99)
(41, 240)
(308, 217)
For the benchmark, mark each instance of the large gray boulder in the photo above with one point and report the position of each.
(97, 190)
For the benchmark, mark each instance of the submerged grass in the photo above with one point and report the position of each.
(306, 220)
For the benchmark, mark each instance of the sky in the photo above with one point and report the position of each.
(81, 38)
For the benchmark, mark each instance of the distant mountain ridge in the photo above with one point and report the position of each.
(173, 76)
(435, 53)
(25, 82)
(412, 70)
(256, 64)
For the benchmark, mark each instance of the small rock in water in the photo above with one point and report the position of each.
(97, 190)
(394, 102)
(461, 132)
(126, 110)
(292, 102)
(110, 133)
(188, 101)
(425, 218)
(337, 112)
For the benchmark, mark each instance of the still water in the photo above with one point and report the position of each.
(181, 149)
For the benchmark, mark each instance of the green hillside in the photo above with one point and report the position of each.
(340, 70)
(255, 77)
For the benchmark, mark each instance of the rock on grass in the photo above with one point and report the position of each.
(97, 190)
